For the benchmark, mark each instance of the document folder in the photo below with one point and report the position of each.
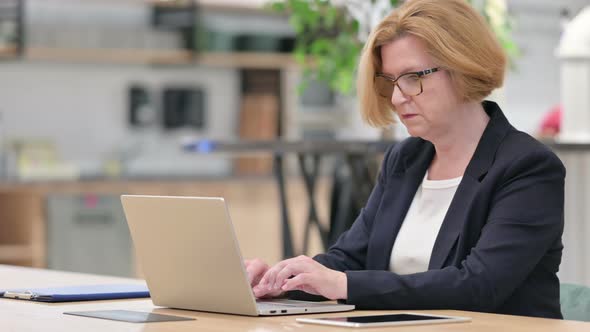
(79, 293)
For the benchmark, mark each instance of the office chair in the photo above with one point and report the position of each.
(575, 302)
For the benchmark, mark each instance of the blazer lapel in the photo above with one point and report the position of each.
(397, 197)
(453, 222)
(481, 161)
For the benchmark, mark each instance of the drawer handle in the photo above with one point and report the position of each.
(94, 219)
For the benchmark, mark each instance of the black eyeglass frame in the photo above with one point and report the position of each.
(394, 83)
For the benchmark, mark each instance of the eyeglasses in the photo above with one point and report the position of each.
(410, 84)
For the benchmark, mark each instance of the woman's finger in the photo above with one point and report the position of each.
(293, 269)
(255, 273)
(262, 292)
(303, 281)
(284, 274)
(259, 292)
(269, 277)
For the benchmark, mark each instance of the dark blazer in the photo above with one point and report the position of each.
(499, 247)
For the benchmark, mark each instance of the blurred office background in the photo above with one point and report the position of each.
(101, 97)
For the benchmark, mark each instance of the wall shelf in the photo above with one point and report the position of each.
(223, 5)
(248, 60)
(164, 57)
(234, 5)
(117, 56)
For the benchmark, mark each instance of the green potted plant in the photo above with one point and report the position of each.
(330, 34)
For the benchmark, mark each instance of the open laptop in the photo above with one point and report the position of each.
(191, 259)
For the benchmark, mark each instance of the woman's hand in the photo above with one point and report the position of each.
(256, 268)
(305, 274)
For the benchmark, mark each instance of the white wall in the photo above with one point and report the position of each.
(65, 102)
(83, 109)
(532, 87)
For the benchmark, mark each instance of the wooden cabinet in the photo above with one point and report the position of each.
(22, 228)
(253, 205)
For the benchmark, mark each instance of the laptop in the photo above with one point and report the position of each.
(191, 260)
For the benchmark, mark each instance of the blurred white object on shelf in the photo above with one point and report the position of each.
(574, 53)
(38, 160)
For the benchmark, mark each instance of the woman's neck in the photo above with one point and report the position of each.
(455, 149)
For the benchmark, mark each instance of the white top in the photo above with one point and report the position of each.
(413, 246)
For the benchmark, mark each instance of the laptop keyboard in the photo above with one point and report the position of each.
(269, 304)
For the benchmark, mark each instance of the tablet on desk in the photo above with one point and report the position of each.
(385, 320)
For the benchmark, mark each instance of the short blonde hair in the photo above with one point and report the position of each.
(456, 36)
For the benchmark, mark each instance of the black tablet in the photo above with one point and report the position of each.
(385, 320)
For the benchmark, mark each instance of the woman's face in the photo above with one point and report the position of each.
(430, 114)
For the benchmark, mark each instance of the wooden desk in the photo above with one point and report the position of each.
(30, 316)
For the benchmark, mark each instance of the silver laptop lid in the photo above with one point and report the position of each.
(188, 251)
